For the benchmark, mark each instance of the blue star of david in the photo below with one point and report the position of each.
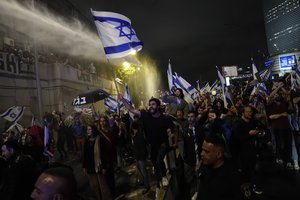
(12, 115)
(122, 33)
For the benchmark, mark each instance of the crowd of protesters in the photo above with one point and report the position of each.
(210, 149)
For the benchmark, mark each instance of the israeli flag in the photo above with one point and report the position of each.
(262, 89)
(86, 111)
(263, 75)
(127, 98)
(190, 93)
(225, 92)
(126, 95)
(198, 85)
(170, 78)
(112, 104)
(214, 86)
(116, 34)
(254, 70)
(13, 114)
(205, 89)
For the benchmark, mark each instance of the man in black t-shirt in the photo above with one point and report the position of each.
(218, 179)
(155, 125)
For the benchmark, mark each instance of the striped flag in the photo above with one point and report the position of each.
(116, 34)
(254, 70)
(263, 75)
(170, 78)
(225, 92)
(127, 95)
(13, 114)
(205, 89)
(86, 111)
(198, 85)
(190, 93)
(214, 86)
(127, 98)
(262, 89)
(112, 104)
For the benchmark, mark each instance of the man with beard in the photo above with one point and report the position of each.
(155, 126)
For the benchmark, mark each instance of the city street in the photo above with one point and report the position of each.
(277, 183)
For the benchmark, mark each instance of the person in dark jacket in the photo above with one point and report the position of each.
(94, 165)
(140, 152)
(19, 173)
(218, 179)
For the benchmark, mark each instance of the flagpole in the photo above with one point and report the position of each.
(115, 82)
(118, 107)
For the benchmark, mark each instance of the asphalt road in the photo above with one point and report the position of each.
(276, 182)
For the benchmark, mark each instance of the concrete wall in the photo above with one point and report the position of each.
(59, 85)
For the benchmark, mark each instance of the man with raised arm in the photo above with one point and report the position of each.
(155, 125)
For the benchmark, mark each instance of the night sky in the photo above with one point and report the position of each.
(196, 35)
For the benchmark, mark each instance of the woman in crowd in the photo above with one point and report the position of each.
(94, 166)
(108, 151)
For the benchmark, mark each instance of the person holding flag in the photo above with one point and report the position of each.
(175, 102)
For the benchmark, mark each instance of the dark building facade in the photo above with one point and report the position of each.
(282, 23)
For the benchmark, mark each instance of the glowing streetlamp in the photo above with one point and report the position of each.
(126, 65)
(133, 52)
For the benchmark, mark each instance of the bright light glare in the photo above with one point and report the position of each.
(133, 52)
(126, 65)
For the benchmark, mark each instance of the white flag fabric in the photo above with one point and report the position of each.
(86, 111)
(112, 104)
(263, 75)
(126, 95)
(225, 92)
(116, 34)
(198, 85)
(205, 89)
(170, 78)
(127, 98)
(16, 128)
(262, 89)
(13, 114)
(190, 93)
(254, 70)
(214, 86)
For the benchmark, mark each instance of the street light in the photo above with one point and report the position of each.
(132, 52)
